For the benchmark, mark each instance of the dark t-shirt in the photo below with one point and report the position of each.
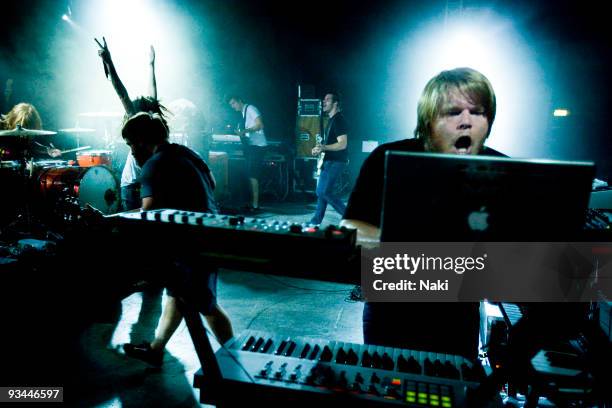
(177, 177)
(365, 202)
(440, 327)
(336, 126)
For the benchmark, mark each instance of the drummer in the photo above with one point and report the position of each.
(130, 183)
(26, 115)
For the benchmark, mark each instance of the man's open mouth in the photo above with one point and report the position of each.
(463, 145)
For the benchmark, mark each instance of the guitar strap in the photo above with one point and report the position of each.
(327, 129)
(325, 140)
(244, 117)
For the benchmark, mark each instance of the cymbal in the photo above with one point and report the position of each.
(77, 130)
(21, 131)
(101, 114)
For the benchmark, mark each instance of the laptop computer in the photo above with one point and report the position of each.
(441, 197)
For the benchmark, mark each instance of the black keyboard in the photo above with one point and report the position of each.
(301, 250)
(306, 368)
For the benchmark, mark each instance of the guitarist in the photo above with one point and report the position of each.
(334, 146)
(254, 139)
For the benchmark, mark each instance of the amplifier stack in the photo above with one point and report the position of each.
(309, 128)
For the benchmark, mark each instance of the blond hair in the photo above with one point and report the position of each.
(469, 82)
(23, 114)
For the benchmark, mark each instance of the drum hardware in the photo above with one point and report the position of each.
(52, 191)
(107, 118)
(20, 143)
(77, 130)
(92, 158)
(77, 187)
(45, 190)
(17, 143)
(16, 155)
(101, 114)
(9, 164)
(20, 131)
(76, 149)
(32, 167)
(50, 147)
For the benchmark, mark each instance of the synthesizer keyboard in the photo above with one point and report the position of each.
(573, 365)
(226, 138)
(311, 369)
(511, 312)
(239, 241)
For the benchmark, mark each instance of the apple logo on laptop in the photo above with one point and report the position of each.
(477, 220)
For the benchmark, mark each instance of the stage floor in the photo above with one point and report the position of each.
(281, 305)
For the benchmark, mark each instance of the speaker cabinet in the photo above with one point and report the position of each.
(219, 163)
(308, 129)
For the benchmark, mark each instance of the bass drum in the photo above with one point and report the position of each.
(95, 185)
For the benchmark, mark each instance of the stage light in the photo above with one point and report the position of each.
(561, 112)
(67, 16)
(494, 45)
(130, 28)
(462, 47)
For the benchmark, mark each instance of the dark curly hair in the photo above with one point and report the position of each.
(148, 104)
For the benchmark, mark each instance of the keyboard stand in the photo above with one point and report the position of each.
(212, 381)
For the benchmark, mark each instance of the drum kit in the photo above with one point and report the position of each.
(51, 190)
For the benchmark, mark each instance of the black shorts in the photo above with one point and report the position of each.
(254, 156)
(195, 285)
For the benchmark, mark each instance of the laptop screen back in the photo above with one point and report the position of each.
(440, 197)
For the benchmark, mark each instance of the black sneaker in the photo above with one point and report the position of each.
(145, 353)
(356, 294)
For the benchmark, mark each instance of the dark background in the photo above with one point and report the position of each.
(264, 50)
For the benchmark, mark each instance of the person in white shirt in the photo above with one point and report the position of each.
(254, 139)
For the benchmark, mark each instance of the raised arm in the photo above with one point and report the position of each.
(109, 68)
(153, 82)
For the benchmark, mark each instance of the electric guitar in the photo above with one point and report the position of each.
(244, 139)
(321, 157)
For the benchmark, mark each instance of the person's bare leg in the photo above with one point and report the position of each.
(168, 323)
(254, 192)
(220, 324)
